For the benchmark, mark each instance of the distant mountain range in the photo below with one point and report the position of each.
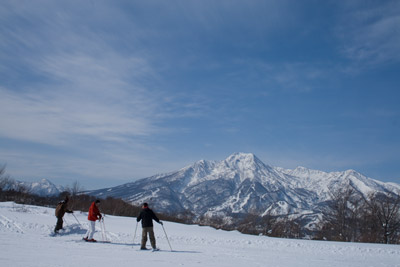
(239, 185)
(42, 188)
(242, 184)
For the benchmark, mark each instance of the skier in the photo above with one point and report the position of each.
(61, 209)
(147, 216)
(94, 215)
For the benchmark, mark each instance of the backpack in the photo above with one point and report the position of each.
(58, 209)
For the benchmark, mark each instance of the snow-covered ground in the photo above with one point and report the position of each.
(26, 240)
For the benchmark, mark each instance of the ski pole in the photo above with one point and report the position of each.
(105, 231)
(166, 236)
(134, 235)
(101, 229)
(76, 219)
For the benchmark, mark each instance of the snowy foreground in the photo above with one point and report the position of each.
(27, 240)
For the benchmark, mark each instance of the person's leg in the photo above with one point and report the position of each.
(59, 224)
(92, 229)
(87, 233)
(144, 238)
(152, 238)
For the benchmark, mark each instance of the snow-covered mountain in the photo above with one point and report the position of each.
(42, 188)
(242, 184)
(45, 188)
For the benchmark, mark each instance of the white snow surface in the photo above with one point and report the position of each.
(27, 240)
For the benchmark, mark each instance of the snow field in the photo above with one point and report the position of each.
(26, 240)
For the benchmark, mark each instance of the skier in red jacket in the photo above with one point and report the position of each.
(94, 215)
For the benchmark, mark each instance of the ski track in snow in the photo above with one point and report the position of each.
(27, 240)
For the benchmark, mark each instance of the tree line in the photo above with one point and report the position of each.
(349, 217)
(355, 218)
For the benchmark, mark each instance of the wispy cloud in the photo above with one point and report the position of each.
(287, 76)
(86, 88)
(370, 33)
(300, 76)
(85, 96)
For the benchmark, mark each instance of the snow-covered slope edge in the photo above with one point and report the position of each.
(26, 241)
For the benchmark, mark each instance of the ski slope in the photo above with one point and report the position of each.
(26, 240)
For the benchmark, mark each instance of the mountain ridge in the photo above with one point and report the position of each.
(42, 187)
(242, 184)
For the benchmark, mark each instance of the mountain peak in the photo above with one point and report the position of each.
(352, 172)
(242, 155)
(245, 161)
(248, 158)
(241, 161)
(45, 181)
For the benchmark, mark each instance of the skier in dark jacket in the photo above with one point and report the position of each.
(147, 216)
(61, 209)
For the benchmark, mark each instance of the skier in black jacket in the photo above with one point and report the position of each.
(147, 216)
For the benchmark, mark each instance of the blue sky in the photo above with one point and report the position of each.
(106, 92)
